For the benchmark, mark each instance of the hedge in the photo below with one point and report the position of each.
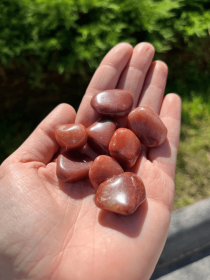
(72, 36)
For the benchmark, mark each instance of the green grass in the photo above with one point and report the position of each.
(193, 162)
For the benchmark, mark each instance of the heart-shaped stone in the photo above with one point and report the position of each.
(71, 136)
(121, 194)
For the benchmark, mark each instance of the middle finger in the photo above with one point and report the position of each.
(132, 78)
(105, 77)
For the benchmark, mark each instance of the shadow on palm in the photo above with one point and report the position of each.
(129, 225)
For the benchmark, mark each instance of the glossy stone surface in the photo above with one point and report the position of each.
(147, 126)
(71, 136)
(102, 169)
(121, 194)
(125, 147)
(73, 166)
(114, 102)
(100, 134)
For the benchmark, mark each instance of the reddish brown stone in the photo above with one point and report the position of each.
(73, 166)
(121, 194)
(125, 147)
(147, 126)
(114, 102)
(100, 134)
(71, 136)
(102, 169)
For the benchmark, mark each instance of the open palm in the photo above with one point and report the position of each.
(55, 232)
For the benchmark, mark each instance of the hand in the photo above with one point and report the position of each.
(54, 232)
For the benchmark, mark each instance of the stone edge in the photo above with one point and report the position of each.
(188, 234)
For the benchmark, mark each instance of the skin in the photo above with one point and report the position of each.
(51, 231)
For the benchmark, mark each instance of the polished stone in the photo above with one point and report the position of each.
(71, 136)
(73, 166)
(147, 126)
(114, 102)
(102, 169)
(100, 134)
(125, 147)
(121, 194)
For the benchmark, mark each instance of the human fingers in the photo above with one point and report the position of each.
(152, 97)
(105, 77)
(132, 78)
(41, 145)
(154, 86)
(165, 155)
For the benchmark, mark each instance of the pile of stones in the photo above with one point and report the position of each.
(119, 148)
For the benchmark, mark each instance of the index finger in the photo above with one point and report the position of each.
(106, 77)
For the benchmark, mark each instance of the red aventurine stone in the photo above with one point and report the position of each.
(100, 134)
(121, 194)
(125, 147)
(73, 166)
(147, 126)
(113, 102)
(71, 136)
(102, 169)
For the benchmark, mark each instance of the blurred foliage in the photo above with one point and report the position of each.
(58, 34)
(72, 36)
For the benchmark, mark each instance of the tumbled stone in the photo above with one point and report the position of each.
(121, 194)
(102, 169)
(147, 126)
(100, 134)
(71, 136)
(73, 166)
(114, 102)
(125, 147)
